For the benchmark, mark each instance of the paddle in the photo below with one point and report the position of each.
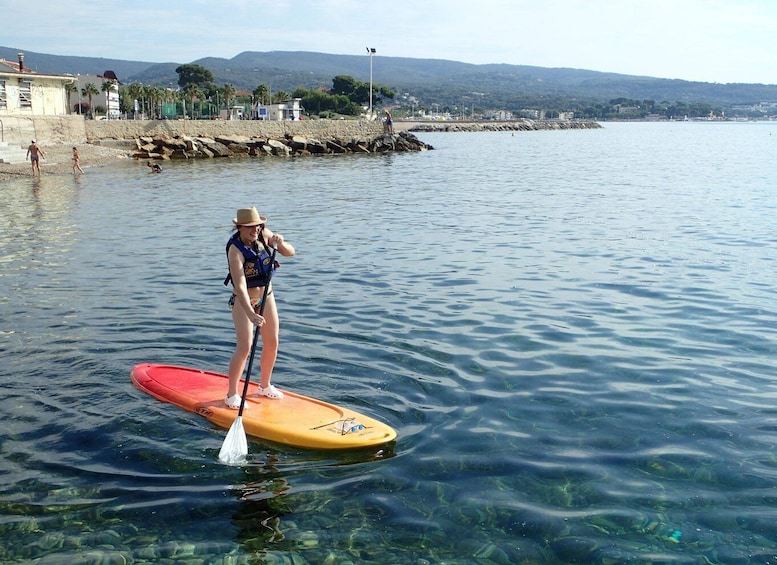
(235, 446)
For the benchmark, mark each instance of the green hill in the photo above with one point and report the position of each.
(61, 65)
(430, 81)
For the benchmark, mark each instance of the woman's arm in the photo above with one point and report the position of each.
(276, 240)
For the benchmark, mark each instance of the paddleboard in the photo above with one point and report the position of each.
(294, 420)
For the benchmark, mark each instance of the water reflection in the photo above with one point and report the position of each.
(258, 519)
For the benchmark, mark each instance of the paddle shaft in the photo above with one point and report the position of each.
(256, 336)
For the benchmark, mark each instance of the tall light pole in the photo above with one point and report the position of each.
(370, 52)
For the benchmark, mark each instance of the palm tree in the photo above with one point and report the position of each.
(214, 94)
(90, 90)
(160, 95)
(148, 100)
(164, 96)
(261, 93)
(71, 88)
(193, 91)
(136, 93)
(125, 100)
(154, 95)
(107, 88)
(174, 96)
(229, 92)
(280, 96)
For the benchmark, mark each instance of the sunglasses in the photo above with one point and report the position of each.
(260, 227)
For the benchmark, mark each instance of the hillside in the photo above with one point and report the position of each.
(429, 80)
(60, 65)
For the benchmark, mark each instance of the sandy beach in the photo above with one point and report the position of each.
(59, 160)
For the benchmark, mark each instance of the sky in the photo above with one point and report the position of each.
(722, 41)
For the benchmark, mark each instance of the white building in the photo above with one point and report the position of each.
(499, 115)
(24, 93)
(288, 110)
(108, 99)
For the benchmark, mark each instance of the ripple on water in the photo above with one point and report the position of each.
(580, 366)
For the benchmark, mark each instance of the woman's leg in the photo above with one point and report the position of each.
(270, 332)
(244, 331)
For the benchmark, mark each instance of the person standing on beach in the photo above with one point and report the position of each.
(250, 269)
(76, 161)
(35, 154)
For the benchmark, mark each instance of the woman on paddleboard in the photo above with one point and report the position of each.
(249, 252)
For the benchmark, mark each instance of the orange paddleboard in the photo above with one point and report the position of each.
(294, 420)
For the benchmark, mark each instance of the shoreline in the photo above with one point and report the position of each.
(101, 143)
(59, 160)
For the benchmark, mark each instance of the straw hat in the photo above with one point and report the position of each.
(248, 217)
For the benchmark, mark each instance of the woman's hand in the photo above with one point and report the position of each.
(276, 240)
(256, 319)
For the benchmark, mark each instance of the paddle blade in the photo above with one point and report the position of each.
(235, 447)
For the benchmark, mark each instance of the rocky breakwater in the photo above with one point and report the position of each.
(516, 125)
(194, 147)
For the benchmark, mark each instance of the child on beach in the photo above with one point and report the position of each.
(76, 161)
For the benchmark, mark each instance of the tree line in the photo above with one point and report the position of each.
(625, 108)
(89, 91)
(199, 96)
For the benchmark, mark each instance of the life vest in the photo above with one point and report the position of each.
(258, 267)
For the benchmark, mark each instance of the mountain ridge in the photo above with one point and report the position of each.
(429, 80)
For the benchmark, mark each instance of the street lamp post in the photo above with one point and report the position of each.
(370, 52)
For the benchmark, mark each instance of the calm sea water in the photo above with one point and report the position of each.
(572, 332)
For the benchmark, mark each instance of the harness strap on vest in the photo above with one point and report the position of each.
(248, 253)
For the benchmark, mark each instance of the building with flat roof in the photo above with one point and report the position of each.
(287, 110)
(107, 96)
(24, 92)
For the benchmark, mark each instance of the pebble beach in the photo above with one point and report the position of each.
(59, 160)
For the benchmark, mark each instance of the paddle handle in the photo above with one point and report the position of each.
(256, 337)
